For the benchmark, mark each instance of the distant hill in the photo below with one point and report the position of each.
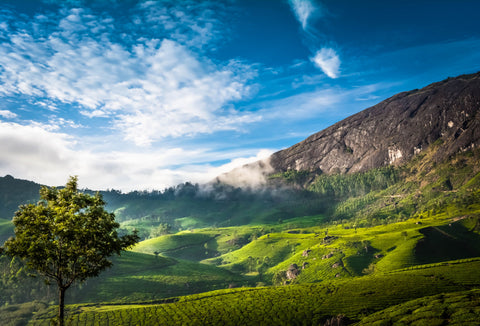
(14, 192)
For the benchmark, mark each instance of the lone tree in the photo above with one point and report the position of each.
(66, 237)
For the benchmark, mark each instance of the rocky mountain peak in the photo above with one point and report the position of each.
(393, 131)
(390, 133)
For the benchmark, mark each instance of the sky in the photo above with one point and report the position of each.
(143, 95)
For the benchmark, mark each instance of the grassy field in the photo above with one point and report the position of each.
(458, 308)
(352, 272)
(137, 276)
(307, 304)
(358, 251)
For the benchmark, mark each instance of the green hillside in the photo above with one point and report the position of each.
(6, 229)
(140, 277)
(308, 304)
(459, 308)
(366, 247)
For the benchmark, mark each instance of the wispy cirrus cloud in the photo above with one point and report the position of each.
(326, 58)
(303, 10)
(196, 24)
(149, 88)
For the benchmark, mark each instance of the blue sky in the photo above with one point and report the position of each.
(147, 94)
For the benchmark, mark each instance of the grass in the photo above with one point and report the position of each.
(459, 308)
(137, 276)
(184, 245)
(359, 250)
(308, 304)
(356, 251)
(20, 314)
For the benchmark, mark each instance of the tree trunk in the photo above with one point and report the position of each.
(61, 305)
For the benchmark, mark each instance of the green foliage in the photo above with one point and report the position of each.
(355, 184)
(162, 229)
(140, 277)
(185, 245)
(6, 229)
(66, 237)
(20, 314)
(13, 192)
(447, 242)
(17, 286)
(292, 177)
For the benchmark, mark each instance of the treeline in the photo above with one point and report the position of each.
(210, 191)
(356, 184)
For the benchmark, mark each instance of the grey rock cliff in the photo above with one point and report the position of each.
(393, 131)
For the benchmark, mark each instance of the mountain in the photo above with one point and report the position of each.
(389, 133)
(358, 223)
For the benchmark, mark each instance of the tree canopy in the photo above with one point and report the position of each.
(67, 236)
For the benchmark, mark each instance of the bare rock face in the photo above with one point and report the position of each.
(292, 272)
(393, 131)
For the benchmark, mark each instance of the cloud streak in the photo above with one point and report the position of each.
(303, 10)
(326, 58)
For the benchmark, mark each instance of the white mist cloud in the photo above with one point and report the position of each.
(303, 10)
(328, 61)
(40, 153)
(247, 172)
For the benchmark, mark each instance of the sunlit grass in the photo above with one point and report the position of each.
(310, 303)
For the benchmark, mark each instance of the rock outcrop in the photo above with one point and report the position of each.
(393, 131)
(292, 272)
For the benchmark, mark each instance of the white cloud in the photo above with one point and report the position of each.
(150, 89)
(303, 10)
(320, 104)
(328, 61)
(302, 106)
(33, 152)
(191, 23)
(7, 114)
(239, 162)
(42, 154)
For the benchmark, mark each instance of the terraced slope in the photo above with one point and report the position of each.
(308, 304)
